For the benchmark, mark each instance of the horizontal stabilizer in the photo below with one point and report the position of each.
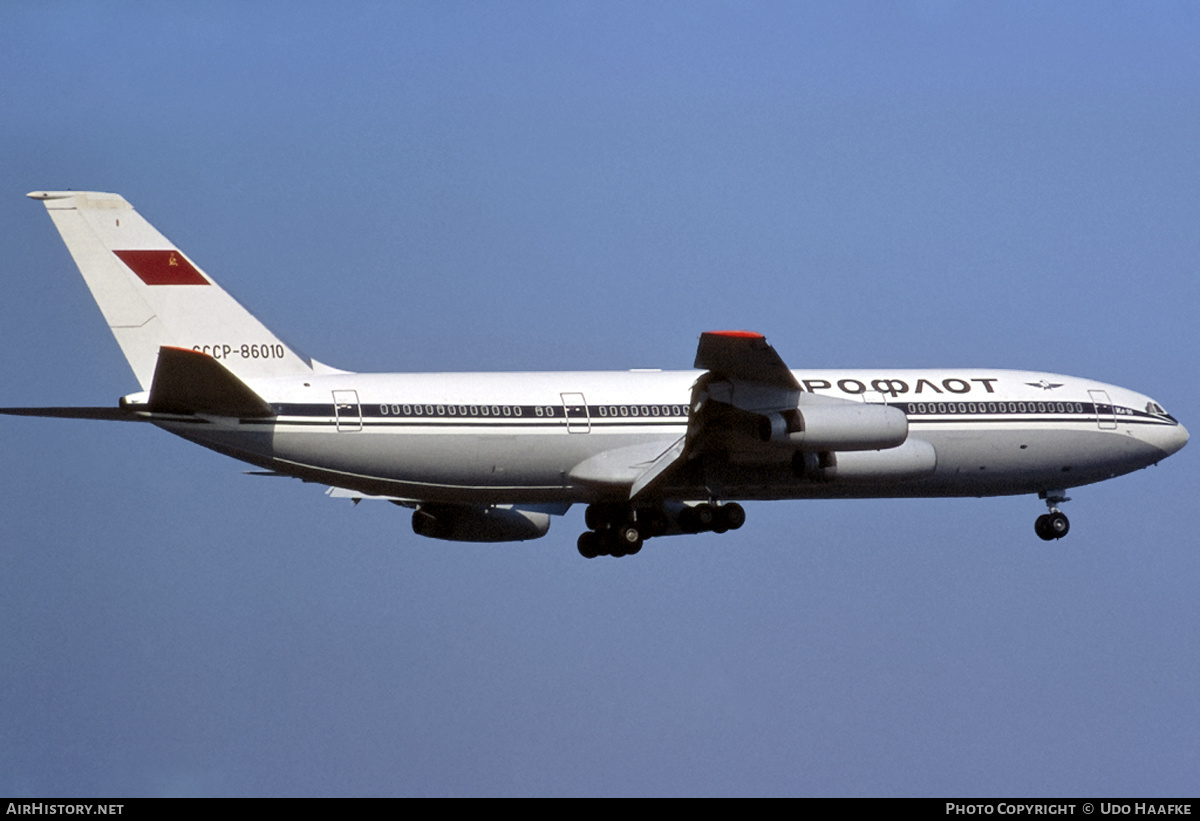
(191, 382)
(104, 414)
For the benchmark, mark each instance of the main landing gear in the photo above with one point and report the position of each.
(615, 530)
(1055, 524)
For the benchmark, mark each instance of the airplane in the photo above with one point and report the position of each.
(490, 457)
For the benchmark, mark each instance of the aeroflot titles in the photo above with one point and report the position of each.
(895, 387)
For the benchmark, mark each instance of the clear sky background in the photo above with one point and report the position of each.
(541, 186)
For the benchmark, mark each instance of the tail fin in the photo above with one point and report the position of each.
(153, 296)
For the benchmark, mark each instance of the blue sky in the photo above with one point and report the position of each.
(542, 186)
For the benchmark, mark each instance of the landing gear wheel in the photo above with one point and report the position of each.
(733, 515)
(652, 522)
(628, 539)
(1039, 527)
(589, 545)
(1050, 526)
(688, 521)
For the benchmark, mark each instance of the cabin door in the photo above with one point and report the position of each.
(346, 410)
(576, 410)
(1106, 417)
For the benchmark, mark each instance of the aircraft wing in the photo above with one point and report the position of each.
(744, 356)
(747, 408)
(745, 386)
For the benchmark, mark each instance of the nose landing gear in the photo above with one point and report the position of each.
(1055, 524)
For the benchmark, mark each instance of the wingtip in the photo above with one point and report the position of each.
(737, 334)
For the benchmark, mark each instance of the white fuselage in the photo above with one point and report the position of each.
(523, 437)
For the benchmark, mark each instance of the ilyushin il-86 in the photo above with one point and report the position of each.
(492, 456)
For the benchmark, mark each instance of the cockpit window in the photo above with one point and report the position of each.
(1157, 410)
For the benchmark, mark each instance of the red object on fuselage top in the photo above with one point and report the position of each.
(161, 267)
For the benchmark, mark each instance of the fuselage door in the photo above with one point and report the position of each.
(1106, 417)
(576, 410)
(346, 410)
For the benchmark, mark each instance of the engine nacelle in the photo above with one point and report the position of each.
(912, 460)
(845, 426)
(482, 523)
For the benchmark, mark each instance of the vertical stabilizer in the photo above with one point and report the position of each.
(153, 296)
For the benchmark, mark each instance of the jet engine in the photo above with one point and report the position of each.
(911, 460)
(479, 523)
(840, 426)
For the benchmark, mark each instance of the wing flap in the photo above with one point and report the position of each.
(651, 475)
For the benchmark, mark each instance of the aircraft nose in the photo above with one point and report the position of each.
(1177, 438)
(1165, 439)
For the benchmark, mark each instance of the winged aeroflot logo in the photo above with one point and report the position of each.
(1044, 385)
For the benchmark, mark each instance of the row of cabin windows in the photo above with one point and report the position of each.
(996, 407)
